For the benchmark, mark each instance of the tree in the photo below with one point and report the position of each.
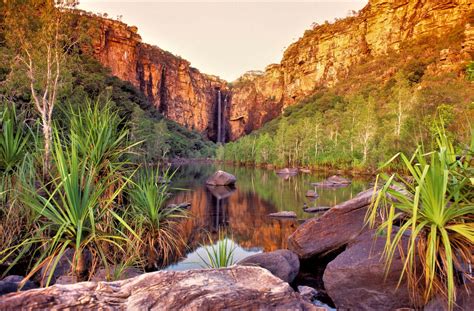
(402, 99)
(367, 126)
(38, 33)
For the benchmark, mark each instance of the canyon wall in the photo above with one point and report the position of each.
(176, 89)
(323, 57)
(325, 54)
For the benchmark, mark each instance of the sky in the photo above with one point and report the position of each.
(225, 38)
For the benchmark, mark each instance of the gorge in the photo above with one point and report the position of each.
(324, 57)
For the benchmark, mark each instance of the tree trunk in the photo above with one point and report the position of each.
(47, 136)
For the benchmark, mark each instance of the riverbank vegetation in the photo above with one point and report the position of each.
(434, 206)
(383, 106)
(89, 202)
(73, 142)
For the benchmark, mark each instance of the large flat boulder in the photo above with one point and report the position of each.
(234, 288)
(355, 279)
(281, 263)
(334, 229)
(221, 178)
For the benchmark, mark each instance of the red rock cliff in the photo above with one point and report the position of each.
(176, 89)
(325, 54)
(323, 57)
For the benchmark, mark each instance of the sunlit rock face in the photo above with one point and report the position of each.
(176, 89)
(325, 54)
(321, 58)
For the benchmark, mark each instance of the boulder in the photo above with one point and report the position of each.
(334, 229)
(234, 288)
(221, 178)
(11, 284)
(307, 293)
(281, 263)
(355, 279)
(284, 214)
(312, 194)
(464, 300)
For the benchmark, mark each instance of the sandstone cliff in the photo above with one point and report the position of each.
(325, 55)
(176, 89)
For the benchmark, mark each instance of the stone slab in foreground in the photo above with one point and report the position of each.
(234, 288)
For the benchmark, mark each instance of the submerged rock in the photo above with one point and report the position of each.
(332, 182)
(221, 178)
(284, 214)
(288, 171)
(237, 288)
(327, 184)
(335, 179)
(312, 194)
(281, 263)
(334, 229)
(316, 209)
(185, 205)
(356, 280)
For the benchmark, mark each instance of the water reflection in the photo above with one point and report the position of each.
(243, 211)
(199, 258)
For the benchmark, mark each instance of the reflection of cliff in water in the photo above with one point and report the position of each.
(242, 212)
(242, 215)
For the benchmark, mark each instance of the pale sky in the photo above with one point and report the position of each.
(224, 38)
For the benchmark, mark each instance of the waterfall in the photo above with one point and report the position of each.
(219, 116)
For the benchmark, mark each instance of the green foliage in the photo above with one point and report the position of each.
(434, 208)
(13, 140)
(70, 213)
(156, 222)
(219, 254)
(470, 71)
(361, 128)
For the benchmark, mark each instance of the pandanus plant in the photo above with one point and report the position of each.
(101, 135)
(13, 140)
(435, 209)
(68, 212)
(157, 223)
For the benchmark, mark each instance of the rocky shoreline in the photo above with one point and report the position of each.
(334, 257)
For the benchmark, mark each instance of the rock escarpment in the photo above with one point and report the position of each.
(323, 57)
(326, 54)
(179, 91)
(237, 288)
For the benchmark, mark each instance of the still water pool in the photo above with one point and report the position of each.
(242, 212)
